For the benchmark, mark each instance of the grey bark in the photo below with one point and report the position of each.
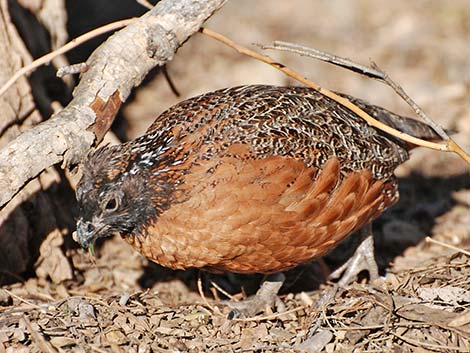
(30, 216)
(117, 66)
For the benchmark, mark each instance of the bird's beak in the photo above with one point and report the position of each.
(86, 234)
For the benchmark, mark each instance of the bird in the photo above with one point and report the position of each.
(248, 179)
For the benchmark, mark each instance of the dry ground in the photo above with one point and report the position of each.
(119, 302)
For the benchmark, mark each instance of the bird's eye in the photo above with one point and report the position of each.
(111, 205)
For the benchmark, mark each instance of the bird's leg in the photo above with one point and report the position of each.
(362, 259)
(264, 297)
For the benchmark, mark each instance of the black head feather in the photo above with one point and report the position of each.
(125, 187)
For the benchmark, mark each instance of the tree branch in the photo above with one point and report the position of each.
(115, 67)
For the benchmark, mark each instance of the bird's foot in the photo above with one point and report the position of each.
(265, 297)
(362, 259)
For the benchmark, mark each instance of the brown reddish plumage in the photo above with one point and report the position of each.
(266, 217)
(248, 179)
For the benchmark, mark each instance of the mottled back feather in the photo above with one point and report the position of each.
(249, 179)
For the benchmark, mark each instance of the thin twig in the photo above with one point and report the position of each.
(271, 317)
(43, 345)
(96, 349)
(170, 82)
(445, 245)
(324, 56)
(224, 292)
(417, 343)
(11, 294)
(45, 59)
(343, 101)
(201, 293)
(374, 71)
(72, 69)
(457, 149)
(145, 4)
(401, 92)
(449, 146)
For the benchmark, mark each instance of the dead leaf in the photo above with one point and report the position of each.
(461, 319)
(447, 294)
(52, 262)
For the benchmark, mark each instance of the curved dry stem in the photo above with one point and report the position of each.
(448, 146)
(374, 71)
(448, 246)
(45, 59)
(458, 150)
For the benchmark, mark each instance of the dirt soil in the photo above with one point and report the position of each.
(119, 302)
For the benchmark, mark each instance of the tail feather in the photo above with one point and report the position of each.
(409, 126)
